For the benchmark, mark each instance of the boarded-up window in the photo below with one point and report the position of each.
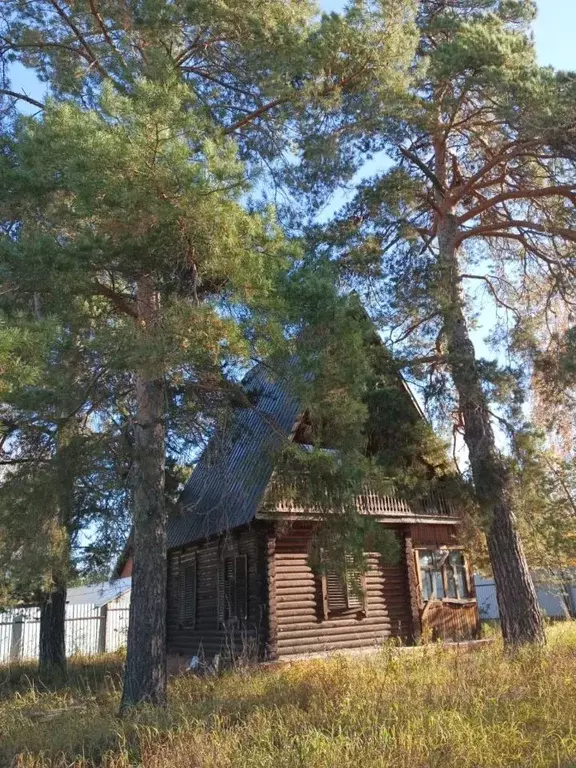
(235, 589)
(188, 593)
(343, 591)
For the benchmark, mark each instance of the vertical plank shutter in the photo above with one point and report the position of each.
(337, 592)
(325, 605)
(241, 588)
(343, 592)
(234, 605)
(228, 591)
(188, 593)
(355, 589)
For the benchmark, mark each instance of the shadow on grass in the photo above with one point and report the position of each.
(83, 674)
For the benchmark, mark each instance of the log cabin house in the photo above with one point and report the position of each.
(239, 576)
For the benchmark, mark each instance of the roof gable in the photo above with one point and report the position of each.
(229, 483)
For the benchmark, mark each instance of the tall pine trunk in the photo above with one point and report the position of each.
(145, 671)
(517, 602)
(52, 650)
(52, 641)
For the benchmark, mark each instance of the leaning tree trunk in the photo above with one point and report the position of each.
(517, 602)
(52, 651)
(145, 671)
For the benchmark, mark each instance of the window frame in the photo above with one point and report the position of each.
(445, 550)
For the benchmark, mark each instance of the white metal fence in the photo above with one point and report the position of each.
(90, 629)
(556, 600)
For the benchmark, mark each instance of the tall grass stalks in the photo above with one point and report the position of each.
(437, 708)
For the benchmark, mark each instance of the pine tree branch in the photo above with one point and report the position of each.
(424, 360)
(499, 230)
(104, 30)
(493, 291)
(558, 476)
(78, 34)
(502, 156)
(415, 327)
(22, 97)
(424, 168)
(285, 99)
(521, 194)
(255, 114)
(84, 43)
(217, 81)
(123, 303)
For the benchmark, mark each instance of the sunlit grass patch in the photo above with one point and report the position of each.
(436, 707)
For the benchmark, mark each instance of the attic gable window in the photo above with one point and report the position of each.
(444, 575)
(187, 588)
(343, 592)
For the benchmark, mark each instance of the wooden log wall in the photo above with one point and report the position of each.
(434, 535)
(299, 626)
(208, 636)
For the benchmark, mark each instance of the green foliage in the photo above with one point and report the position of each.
(64, 493)
(141, 165)
(476, 135)
(546, 502)
(341, 541)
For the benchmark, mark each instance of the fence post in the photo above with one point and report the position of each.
(16, 637)
(102, 629)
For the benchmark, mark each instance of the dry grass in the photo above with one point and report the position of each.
(435, 708)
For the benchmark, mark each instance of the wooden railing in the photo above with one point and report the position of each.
(285, 498)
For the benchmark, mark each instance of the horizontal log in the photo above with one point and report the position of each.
(286, 569)
(296, 588)
(299, 592)
(289, 581)
(328, 635)
(297, 649)
(286, 603)
(306, 612)
(320, 624)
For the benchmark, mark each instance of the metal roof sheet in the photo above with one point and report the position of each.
(226, 486)
(98, 594)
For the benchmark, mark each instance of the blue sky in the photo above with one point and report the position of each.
(555, 32)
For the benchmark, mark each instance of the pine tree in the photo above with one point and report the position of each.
(144, 202)
(62, 476)
(477, 187)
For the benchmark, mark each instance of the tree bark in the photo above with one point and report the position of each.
(145, 671)
(52, 652)
(517, 601)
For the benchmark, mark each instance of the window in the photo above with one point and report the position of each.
(443, 574)
(343, 591)
(234, 604)
(188, 592)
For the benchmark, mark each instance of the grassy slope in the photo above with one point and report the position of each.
(436, 708)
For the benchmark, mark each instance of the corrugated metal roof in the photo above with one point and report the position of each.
(227, 484)
(99, 594)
